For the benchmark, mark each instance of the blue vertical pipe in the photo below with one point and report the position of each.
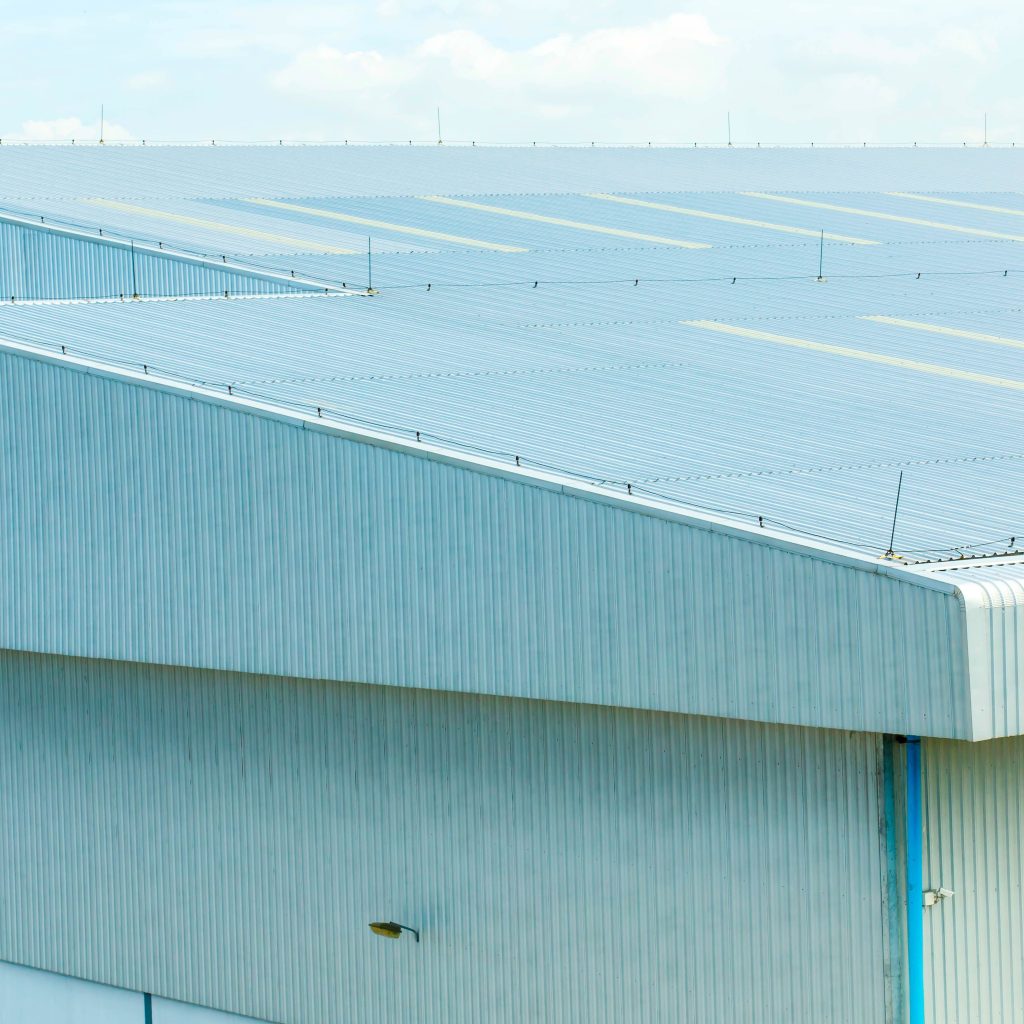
(915, 897)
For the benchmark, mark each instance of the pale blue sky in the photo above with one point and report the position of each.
(545, 70)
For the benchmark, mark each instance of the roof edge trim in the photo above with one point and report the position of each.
(990, 654)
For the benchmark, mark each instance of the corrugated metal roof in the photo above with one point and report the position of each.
(725, 377)
(43, 172)
(982, 571)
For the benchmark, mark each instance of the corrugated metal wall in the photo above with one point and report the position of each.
(225, 839)
(38, 263)
(150, 526)
(974, 845)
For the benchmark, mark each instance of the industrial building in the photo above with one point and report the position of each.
(605, 563)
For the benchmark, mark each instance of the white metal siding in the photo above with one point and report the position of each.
(974, 845)
(225, 839)
(39, 997)
(31, 996)
(37, 263)
(149, 526)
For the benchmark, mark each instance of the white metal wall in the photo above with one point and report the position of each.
(30, 996)
(225, 839)
(39, 997)
(148, 525)
(974, 845)
(38, 263)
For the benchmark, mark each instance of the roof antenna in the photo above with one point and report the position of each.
(986, 130)
(439, 126)
(892, 536)
(821, 257)
(728, 126)
(369, 267)
(101, 124)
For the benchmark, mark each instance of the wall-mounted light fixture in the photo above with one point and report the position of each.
(391, 930)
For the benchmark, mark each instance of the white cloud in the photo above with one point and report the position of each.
(554, 70)
(855, 51)
(146, 80)
(229, 30)
(856, 91)
(323, 72)
(970, 43)
(64, 129)
(659, 58)
(669, 57)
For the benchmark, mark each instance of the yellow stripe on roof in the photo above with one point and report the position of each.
(953, 332)
(386, 225)
(729, 219)
(302, 244)
(884, 216)
(856, 353)
(957, 202)
(578, 225)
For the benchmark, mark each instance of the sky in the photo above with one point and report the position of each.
(556, 71)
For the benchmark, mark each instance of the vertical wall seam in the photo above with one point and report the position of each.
(895, 1009)
(915, 895)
